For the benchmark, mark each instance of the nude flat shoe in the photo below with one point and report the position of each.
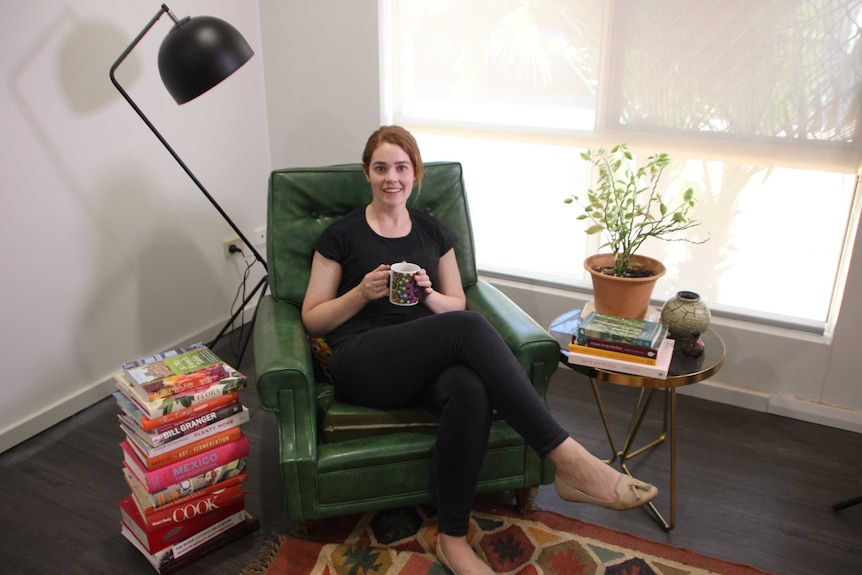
(630, 492)
(442, 557)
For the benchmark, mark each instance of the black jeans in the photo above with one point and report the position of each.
(454, 363)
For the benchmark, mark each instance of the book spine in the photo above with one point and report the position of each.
(164, 459)
(619, 347)
(197, 428)
(168, 534)
(612, 336)
(205, 535)
(612, 328)
(184, 382)
(153, 504)
(196, 410)
(249, 525)
(600, 352)
(169, 552)
(173, 403)
(185, 468)
(195, 506)
(617, 365)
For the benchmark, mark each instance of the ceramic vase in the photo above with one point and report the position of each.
(693, 346)
(685, 314)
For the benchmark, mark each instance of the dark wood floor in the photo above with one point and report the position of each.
(752, 488)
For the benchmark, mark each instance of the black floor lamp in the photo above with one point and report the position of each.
(197, 54)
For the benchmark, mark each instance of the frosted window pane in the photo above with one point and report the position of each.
(497, 61)
(764, 70)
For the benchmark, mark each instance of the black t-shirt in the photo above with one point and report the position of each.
(352, 243)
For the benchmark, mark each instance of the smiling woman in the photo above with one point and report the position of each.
(529, 86)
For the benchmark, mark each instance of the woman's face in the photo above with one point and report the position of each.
(390, 174)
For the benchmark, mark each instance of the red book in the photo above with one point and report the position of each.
(191, 507)
(206, 541)
(198, 516)
(183, 469)
(148, 505)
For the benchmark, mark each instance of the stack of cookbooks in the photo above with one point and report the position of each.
(184, 455)
(636, 347)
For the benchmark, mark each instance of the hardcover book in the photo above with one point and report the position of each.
(158, 374)
(189, 468)
(150, 359)
(657, 371)
(165, 422)
(171, 558)
(154, 505)
(195, 518)
(163, 406)
(620, 347)
(159, 460)
(181, 433)
(624, 330)
(602, 352)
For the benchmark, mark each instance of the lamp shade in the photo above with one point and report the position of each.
(198, 53)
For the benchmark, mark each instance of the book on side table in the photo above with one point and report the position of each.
(657, 371)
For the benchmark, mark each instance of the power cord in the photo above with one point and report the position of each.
(237, 333)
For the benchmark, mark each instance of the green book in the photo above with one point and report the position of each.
(620, 329)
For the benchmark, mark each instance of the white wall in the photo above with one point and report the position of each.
(322, 80)
(115, 254)
(111, 251)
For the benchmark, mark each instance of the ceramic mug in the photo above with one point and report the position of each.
(402, 288)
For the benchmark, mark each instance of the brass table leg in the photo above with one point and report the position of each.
(668, 431)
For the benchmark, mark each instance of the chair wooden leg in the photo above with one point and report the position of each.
(526, 499)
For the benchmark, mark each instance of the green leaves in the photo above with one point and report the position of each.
(626, 206)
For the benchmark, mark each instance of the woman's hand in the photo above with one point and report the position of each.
(375, 284)
(422, 281)
(323, 310)
(448, 295)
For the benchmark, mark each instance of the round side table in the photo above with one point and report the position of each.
(683, 370)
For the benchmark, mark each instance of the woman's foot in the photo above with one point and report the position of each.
(629, 493)
(456, 555)
(584, 478)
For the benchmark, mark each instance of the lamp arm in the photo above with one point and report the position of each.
(164, 142)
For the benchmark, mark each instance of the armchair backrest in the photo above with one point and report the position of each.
(303, 201)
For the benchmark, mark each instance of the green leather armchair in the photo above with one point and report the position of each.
(339, 459)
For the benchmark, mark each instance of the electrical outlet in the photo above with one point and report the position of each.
(260, 236)
(234, 241)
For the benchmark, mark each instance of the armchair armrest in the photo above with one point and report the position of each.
(285, 383)
(281, 354)
(532, 345)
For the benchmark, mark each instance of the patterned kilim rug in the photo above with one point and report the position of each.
(402, 542)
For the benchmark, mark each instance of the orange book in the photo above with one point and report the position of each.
(205, 444)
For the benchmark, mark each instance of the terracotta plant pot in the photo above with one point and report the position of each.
(624, 297)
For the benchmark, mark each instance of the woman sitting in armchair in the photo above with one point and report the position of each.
(450, 360)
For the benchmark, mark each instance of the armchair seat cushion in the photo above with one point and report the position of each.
(343, 421)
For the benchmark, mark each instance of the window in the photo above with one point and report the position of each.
(757, 102)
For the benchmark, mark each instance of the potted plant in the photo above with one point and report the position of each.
(626, 207)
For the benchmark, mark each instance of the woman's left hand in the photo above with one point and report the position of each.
(423, 283)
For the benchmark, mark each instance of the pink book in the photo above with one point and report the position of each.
(183, 469)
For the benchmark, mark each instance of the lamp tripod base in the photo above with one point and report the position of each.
(261, 287)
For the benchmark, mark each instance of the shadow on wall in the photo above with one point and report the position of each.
(135, 276)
